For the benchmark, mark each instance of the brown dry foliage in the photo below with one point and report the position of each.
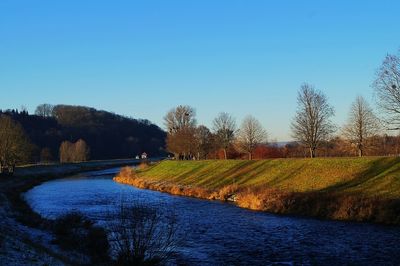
(261, 198)
(126, 173)
(321, 205)
(227, 191)
(128, 176)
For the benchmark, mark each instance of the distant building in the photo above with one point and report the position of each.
(144, 155)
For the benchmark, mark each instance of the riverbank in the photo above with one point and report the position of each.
(356, 189)
(24, 238)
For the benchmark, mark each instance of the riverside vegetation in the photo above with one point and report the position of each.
(358, 189)
(80, 240)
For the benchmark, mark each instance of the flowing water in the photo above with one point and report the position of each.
(222, 234)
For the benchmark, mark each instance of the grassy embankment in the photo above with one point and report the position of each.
(359, 189)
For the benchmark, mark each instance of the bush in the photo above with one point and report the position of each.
(75, 232)
(142, 236)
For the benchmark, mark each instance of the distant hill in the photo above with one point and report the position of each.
(108, 135)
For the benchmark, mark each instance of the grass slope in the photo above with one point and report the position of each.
(373, 176)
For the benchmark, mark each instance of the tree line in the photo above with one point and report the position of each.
(74, 133)
(312, 127)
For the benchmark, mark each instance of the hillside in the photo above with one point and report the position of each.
(109, 136)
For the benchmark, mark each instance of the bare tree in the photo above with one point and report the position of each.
(312, 122)
(361, 125)
(141, 235)
(180, 117)
(250, 135)
(14, 144)
(387, 89)
(44, 110)
(224, 127)
(181, 126)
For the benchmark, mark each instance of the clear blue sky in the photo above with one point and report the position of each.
(141, 58)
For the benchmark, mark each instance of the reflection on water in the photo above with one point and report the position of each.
(222, 234)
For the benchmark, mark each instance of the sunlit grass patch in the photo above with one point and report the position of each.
(371, 176)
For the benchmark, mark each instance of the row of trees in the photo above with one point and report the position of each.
(312, 124)
(186, 140)
(311, 127)
(15, 147)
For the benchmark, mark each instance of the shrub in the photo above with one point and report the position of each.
(250, 200)
(75, 232)
(141, 235)
(262, 198)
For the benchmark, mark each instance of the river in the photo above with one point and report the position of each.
(218, 233)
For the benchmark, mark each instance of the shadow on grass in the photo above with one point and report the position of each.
(187, 175)
(376, 170)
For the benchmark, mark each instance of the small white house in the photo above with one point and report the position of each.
(144, 155)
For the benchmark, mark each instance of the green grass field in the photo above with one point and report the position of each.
(370, 176)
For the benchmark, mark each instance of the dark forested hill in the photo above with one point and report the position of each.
(108, 135)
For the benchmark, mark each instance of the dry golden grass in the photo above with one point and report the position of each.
(129, 176)
(227, 191)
